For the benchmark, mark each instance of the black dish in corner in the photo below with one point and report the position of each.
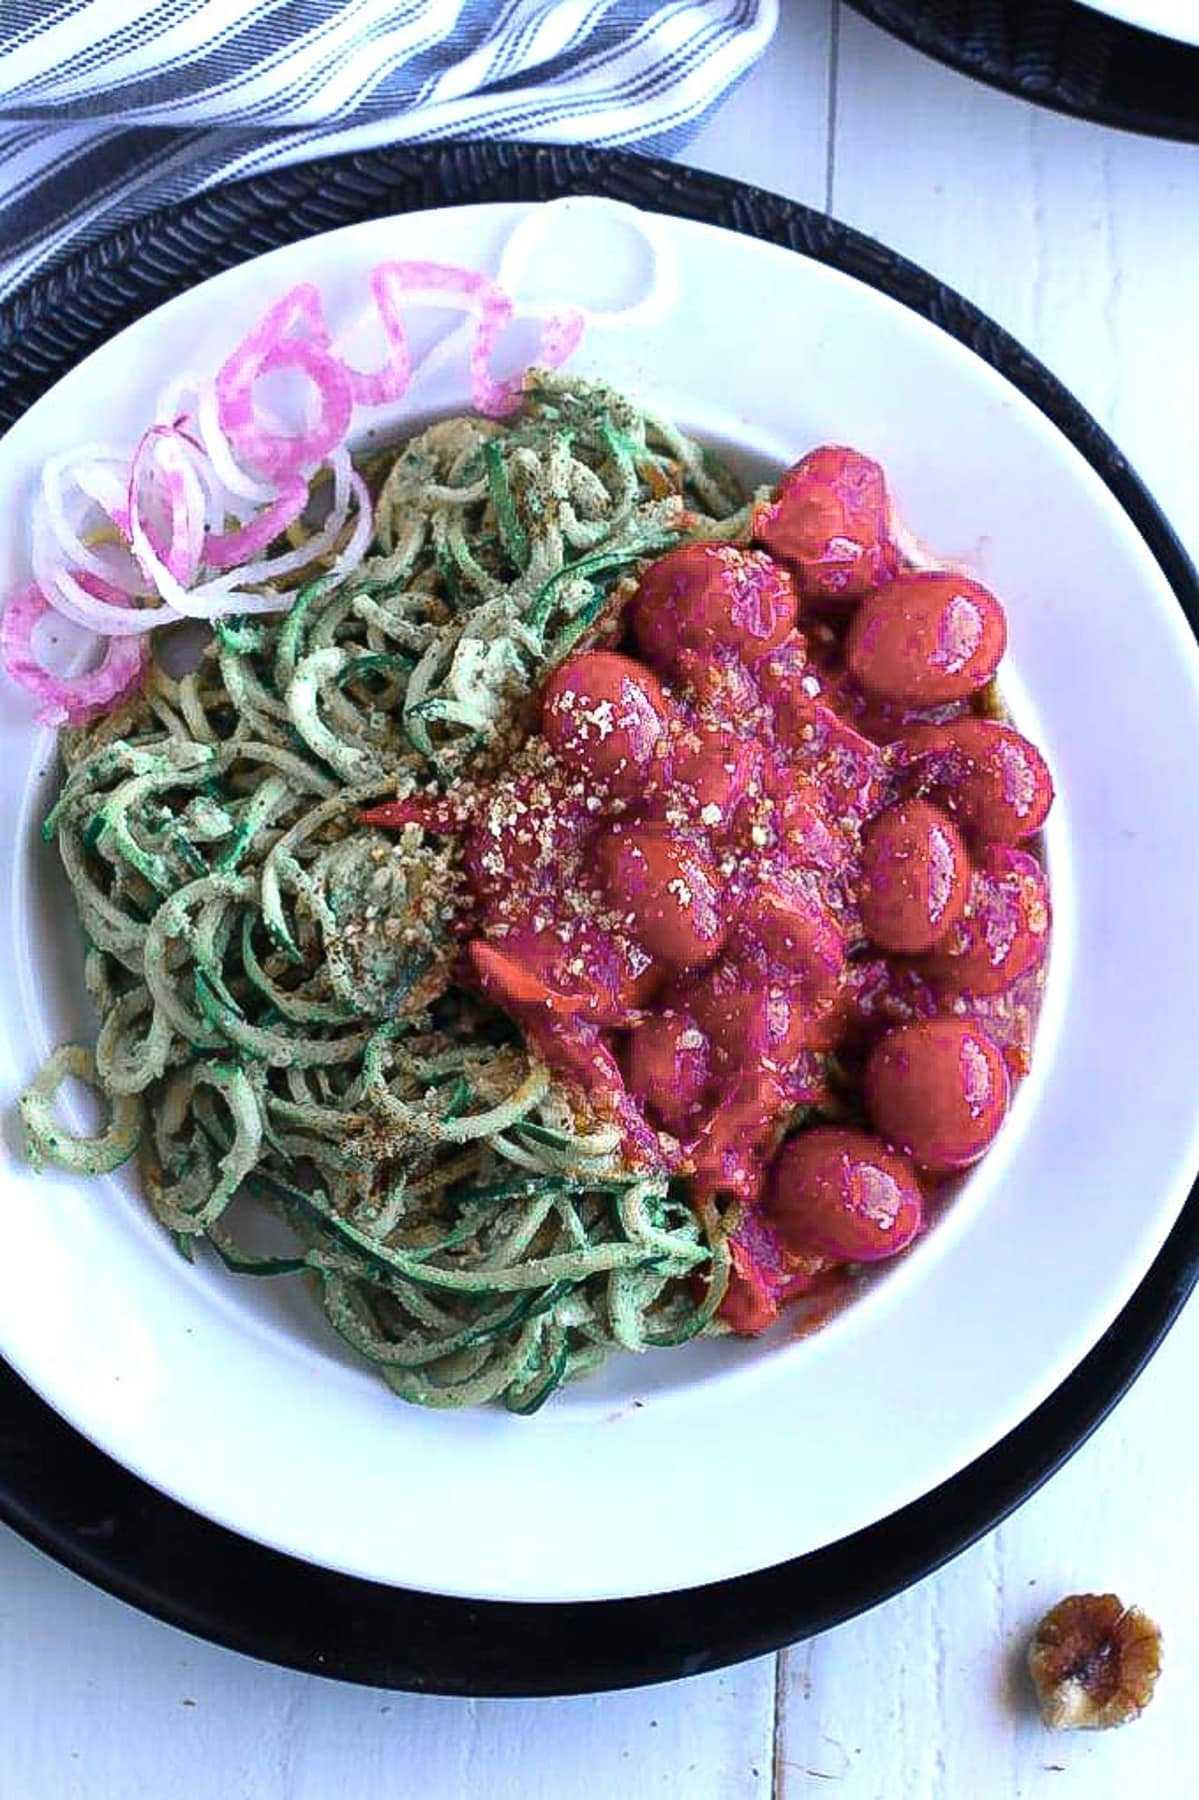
(1058, 55)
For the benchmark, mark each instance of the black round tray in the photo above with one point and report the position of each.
(1057, 54)
(68, 1497)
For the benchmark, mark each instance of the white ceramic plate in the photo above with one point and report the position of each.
(1168, 18)
(230, 1395)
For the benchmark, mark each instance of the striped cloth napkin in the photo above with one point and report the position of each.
(109, 108)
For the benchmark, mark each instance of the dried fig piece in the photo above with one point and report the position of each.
(1094, 1662)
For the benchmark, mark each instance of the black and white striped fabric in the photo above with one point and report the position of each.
(109, 108)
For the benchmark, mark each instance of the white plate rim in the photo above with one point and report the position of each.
(472, 1590)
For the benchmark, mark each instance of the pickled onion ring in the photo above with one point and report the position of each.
(162, 451)
(66, 699)
(441, 284)
(181, 528)
(391, 381)
(224, 549)
(232, 592)
(269, 348)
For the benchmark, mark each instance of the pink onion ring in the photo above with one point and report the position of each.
(161, 464)
(429, 283)
(390, 382)
(67, 699)
(225, 549)
(433, 284)
(213, 484)
(272, 346)
(560, 334)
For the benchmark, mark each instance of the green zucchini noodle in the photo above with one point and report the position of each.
(279, 1028)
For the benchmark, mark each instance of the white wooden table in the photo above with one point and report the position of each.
(1086, 244)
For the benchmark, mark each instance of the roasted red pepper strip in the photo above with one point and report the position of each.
(431, 815)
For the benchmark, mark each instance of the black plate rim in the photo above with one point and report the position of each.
(71, 1500)
(1123, 44)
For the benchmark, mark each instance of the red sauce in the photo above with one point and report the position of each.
(768, 828)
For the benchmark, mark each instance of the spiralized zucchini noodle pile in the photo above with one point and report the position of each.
(280, 1029)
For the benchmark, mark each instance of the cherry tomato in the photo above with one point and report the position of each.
(993, 780)
(668, 890)
(711, 769)
(915, 877)
(851, 772)
(606, 715)
(878, 994)
(926, 638)
(751, 1299)
(828, 522)
(1004, 930)
(668, 1062)
(938, 1091)
(788, 922)
(749, 1010)
(725, 1153)
(704, 597)
(845, 1194)
(526, 825)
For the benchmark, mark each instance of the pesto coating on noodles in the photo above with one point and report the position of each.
(281, 1036)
